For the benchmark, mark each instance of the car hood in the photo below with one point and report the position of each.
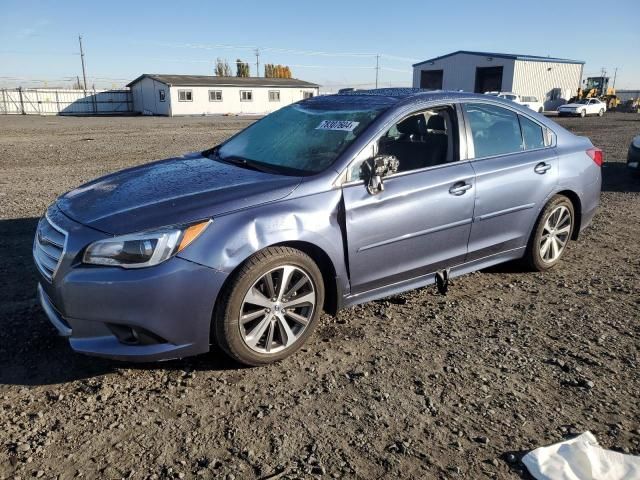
(573, 105)
(174, 191)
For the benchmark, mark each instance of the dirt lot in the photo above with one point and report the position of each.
(416, 386)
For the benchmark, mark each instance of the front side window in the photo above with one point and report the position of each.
(495, 130)
(532, 134)
(421, 140)
(185, 96)
(274, 95)
(299, 139)
(215, 95)
(246, 95)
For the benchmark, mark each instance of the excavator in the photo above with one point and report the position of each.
(598, 87)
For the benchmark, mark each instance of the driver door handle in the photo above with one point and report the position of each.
(459, 188)
(542, 168)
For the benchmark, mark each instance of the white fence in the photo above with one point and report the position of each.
(49, 101)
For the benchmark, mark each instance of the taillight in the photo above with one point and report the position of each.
(596, 155)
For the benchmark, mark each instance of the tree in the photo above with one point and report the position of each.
(276, 71)
(242, 68)
(219, 68)
(227, 68)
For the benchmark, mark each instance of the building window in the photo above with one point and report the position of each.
(274, 95)
(215, 95)
(307, 94)
(246, 95)
(161, 94)
(185, 96)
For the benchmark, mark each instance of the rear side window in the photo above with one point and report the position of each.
(495, 130)
(532, 134)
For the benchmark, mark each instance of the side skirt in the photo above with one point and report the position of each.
(429, 278)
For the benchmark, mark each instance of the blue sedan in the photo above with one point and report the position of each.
(324, 204)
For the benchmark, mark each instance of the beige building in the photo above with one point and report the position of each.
(173, 95)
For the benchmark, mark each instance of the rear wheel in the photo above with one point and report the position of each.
(601, 112)
(270, 307)
(551, 234)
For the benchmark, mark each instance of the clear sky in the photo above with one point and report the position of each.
(332, 43)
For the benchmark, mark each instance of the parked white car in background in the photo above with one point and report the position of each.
(584, 107)
(526, 100)
(532, 102)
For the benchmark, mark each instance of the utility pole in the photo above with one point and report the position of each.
(257, 52)
(377, 68)
(84, 71)
(615, 74)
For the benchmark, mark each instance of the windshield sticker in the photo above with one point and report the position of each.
(342, 125)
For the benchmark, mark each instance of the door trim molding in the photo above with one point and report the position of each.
(419, 233)
(487, 216)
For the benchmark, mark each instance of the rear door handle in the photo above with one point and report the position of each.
(459, 188)
(542, 168)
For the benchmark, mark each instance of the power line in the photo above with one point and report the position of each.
(291, 51)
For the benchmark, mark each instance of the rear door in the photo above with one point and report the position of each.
(420, 222)
(516, 170)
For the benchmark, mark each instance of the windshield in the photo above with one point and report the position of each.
(582, 101)
(299, 139)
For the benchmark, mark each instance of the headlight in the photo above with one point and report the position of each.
(144, 249)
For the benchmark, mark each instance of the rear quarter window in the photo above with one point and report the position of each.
(532, 134)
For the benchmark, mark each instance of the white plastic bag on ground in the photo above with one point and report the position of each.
(581, 458)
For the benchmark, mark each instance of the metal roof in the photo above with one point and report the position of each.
(512, 56)
(211, 81)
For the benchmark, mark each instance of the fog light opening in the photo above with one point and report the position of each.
(135, 335)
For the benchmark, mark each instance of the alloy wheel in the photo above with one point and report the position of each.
(555, 234)
(277, 309)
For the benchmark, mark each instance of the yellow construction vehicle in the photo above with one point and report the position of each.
(598, 87)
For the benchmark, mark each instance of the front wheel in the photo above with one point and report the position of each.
(583, 113)
(270, 307)
(551, 234)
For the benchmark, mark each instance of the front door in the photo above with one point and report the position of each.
(420, 222)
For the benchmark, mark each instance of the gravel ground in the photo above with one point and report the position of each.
(414, 386)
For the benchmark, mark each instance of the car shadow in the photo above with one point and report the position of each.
(616, 177)
(31, 352)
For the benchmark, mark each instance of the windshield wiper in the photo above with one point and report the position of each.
(245, 163)
(237, 160)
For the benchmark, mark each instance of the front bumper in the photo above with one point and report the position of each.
(155, 313)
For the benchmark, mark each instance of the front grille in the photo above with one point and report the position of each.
(48, 247)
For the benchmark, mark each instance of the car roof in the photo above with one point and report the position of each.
(389, 97)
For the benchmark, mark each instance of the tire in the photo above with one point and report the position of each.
(540, 110)
(601, 112)
(536, 257)
(583, 113)
(266, 339)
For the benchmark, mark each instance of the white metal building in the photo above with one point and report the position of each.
(552, 80)
(173, 95)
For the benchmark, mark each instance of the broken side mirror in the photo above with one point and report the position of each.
(380, 166)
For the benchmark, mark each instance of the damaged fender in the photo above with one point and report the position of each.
(313, 219)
